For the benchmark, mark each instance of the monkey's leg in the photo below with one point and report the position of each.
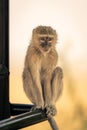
(47, 90)
(56, 90)
(32, 91)
(57, 84)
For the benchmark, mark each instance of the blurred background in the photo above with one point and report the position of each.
(69, 18)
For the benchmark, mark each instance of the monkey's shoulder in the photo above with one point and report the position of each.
(33, 54)
(33, 51)
(53, 54)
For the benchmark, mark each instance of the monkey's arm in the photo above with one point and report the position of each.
(34, 87)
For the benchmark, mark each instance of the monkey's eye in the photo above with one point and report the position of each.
(41, 39)
(50, 39)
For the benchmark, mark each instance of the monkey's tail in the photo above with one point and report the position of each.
(53, 123)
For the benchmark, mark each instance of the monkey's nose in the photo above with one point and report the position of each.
(45, 44)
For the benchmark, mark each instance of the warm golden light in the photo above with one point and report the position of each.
(69, 18)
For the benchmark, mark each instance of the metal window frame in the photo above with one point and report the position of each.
(22, 115)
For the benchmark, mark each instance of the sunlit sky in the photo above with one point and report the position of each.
(68, 17)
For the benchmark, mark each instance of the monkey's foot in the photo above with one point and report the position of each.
(33, 109)
(51, 110)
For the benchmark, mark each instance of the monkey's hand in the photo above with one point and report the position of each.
(36, 107)
(51, 110)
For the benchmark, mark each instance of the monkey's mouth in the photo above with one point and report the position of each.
(45, 46)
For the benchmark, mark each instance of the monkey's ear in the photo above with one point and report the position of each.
(55, 31)
(33, 31)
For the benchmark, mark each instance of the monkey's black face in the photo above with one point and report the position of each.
(46, 43)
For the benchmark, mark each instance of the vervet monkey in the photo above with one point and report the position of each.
(42, 79)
